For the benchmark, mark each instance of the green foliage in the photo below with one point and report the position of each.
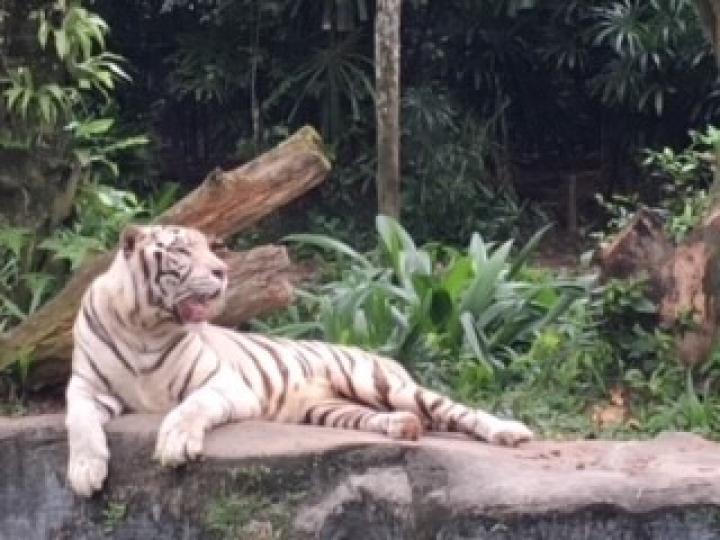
(44, 94)
(438, 302)
(113, 515)
(685, 179)
(648, 43)
(451, 175)
(30, 274)
(677, 186)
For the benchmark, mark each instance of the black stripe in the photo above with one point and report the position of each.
(282, 368)
(158, 273)
(342, 418)
(335, 353)
(435, 404)
(96, 327)
(298, 349)
(168, 351)
(209, 375)
(421, 404)
(308, 415)
(267, 384)
(146, 274)
(118, 318)
(99, 374)
(381, 385)
(356, 423)
(188, 376)
(307, 346)
(323, 416)
(111, 412)
(136, 298)
(103, 379)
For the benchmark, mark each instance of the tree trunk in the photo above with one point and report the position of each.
(387, 95)
(682, 280)
(225, 203)
(709, 12)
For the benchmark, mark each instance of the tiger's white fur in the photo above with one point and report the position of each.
(143, 343)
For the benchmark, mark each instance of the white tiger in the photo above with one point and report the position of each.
(142, 342)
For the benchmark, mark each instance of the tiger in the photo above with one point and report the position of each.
(143, 342)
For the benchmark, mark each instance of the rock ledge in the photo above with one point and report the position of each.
(264, 481)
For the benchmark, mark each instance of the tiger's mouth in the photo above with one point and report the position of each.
(196, 308)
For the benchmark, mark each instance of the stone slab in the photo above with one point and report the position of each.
(311, 482)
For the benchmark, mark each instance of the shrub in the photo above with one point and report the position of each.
(424, 305)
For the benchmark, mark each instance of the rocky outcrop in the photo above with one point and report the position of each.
(265, 481)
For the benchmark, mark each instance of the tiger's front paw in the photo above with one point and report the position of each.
(179, 440)
(509, 433)
(86, 473)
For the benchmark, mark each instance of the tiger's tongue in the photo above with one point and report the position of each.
(193, 311)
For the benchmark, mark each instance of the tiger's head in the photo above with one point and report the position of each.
(174, 270)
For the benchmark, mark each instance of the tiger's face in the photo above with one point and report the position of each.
(175, 270)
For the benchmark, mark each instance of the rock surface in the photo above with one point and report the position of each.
(265, 481)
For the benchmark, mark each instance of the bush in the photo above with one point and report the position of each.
(431, 305)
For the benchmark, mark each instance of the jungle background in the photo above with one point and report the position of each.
(531, 130)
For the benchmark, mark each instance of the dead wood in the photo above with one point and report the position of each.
(225, 203)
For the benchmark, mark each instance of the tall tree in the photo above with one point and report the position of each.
(709, 11)
(387, 90)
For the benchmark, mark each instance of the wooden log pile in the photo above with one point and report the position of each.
(227, 202)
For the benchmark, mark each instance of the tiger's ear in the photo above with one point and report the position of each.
(129, 238)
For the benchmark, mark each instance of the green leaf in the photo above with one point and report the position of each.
(458, 276)
(325, 242)
(479, 294)
(124, 144)
(95, 127)
(43, 32)
(527, 250)
(15, 239)
(475, 341)
(397, 243)
(12, 308)
(61, 43)
(46, 108)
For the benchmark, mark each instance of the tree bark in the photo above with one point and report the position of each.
(225, 203)
(230, 201)
(709, 12)
(682, 280)
(387, 107)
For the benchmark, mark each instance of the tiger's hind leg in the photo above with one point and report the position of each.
(341, 413)
(379, 383)
(440, 413)
(396, 390)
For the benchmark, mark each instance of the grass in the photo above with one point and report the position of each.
(249, 509)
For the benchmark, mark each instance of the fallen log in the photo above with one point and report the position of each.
(225, 203)
(682, 279)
